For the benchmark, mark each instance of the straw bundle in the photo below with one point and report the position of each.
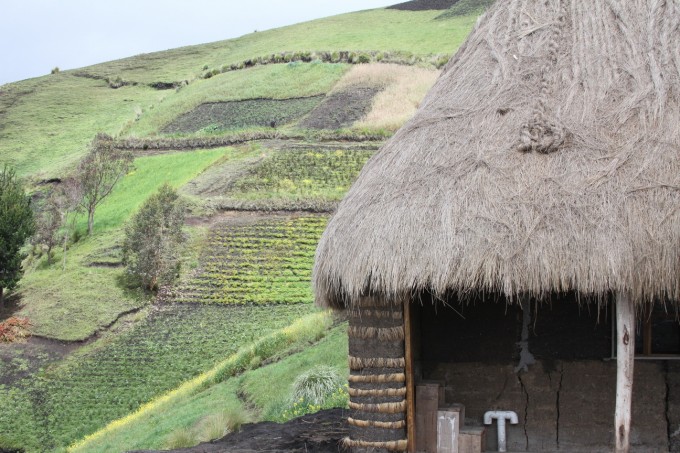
(382, 334)
(396, 445)
(354, 392)
(376, 424)
(377, 378)
(359, 363)
(387, 408)
(545, 159)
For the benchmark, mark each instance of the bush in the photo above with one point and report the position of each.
(315, 385)
(363, 58)
(55, 70)
(153, 238)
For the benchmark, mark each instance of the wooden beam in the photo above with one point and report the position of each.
(647, 332)
(410, 385)
(625, 359)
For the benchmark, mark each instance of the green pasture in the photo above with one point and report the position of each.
(380, 29)
(266, 389)
(117, 374)
(53, 119)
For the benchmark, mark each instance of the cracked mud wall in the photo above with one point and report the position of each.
(673, 404)
(566, 400)
(567, 408)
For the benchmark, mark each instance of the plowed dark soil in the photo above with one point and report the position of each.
(341, 109)
(424, 5)
(238, 114)
(316, 433)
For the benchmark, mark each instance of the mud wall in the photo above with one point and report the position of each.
(565, 400)
(567, 408)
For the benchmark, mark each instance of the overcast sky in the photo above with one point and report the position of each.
(37, 35)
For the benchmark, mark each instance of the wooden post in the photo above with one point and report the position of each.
(410, 388)
(625, 359)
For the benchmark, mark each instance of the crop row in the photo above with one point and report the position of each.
(269, 261)
(304, 172)
(61, 404)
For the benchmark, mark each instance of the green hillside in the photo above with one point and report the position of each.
(262, 136)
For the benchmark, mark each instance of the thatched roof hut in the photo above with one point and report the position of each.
(545, 159)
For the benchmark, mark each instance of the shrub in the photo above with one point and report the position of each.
(153, 238)
(55, 70)
(363, 58)
(315, 385)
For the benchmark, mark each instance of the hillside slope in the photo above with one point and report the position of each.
(262, 135)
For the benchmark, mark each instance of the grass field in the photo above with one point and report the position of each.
(121, 372)
(379, 29)
(266, 389)
(47, 122)
(69, 303)
(48, 129)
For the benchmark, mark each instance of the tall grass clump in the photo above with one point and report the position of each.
(218, 425)
(315, 385)
(181, 438)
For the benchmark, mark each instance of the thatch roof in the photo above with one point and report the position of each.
(546, 158)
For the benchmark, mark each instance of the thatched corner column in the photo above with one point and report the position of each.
(377, 378)
(625, 360)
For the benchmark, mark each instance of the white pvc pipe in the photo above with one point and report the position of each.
(501, 416)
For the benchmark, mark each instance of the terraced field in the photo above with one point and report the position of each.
(257, 260)
(217, 116)
(303, 173)
(62, 403)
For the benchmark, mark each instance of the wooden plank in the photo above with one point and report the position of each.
(449, 422)
(625, 359)
(427, 404)
(410, 388)
(647, 333)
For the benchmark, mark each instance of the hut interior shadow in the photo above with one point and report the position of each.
(565, 399)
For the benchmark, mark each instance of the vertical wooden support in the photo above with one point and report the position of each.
(625, 359)
(410, 386)
(647, 332)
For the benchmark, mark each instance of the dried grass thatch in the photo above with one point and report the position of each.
(359, 363)
(376, 424)
(379, 333)
(377, 378)
(377, 392)
(545, 158)
(386, 408)
(395, 445)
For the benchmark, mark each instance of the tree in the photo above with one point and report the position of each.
(48, 223)
(98, 173)
(55, 219)
(16, 226)
(153, 238)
